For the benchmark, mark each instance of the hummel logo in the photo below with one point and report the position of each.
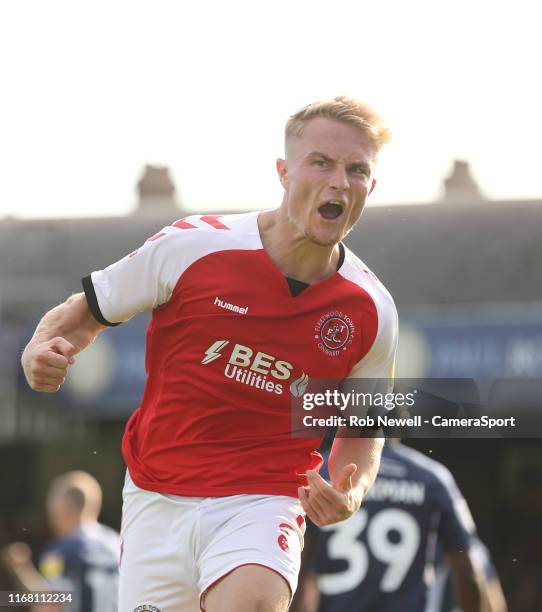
(232, 307)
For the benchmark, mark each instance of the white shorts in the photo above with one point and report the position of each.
(175, 548)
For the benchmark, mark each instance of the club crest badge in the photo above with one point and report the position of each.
(334, 332)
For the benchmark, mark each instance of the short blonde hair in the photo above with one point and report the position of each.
(356, 113)
(82, 490)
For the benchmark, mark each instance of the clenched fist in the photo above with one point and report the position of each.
(46, 364)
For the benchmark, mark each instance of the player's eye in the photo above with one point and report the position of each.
(360, 170)
(323, 163)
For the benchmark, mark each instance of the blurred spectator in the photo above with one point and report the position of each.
(84, 556)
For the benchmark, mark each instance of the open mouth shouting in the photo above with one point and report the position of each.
(331, 210)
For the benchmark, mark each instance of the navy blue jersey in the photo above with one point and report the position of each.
(382, 558)
(86, 561)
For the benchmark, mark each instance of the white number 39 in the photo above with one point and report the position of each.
(397, 556)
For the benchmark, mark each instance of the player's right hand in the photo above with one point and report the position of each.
(46, 364)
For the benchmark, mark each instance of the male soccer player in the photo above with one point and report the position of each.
(84, 556)
(245, 307)
(383, 558)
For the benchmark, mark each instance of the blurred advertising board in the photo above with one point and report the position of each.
(476, 343)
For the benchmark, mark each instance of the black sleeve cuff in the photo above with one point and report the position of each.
(92, 300)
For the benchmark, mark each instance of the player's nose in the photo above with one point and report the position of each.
(339, 178)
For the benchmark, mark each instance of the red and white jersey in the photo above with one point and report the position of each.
(226, 341)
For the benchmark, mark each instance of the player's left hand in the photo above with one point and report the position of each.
(326, 503)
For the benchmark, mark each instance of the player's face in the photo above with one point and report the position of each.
(327, 177)
(57, 513)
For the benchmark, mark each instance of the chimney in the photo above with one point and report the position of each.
(460, 186)
(157, 193)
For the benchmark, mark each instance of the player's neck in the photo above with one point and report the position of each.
(294, 255)
(67, 527)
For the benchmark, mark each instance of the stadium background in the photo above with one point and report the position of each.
(464, 272)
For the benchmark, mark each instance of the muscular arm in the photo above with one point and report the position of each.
(467, 582)
(494, 599)
(362, 452)
(63, 332)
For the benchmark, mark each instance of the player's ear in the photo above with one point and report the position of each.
(373, 183)
(282, 171)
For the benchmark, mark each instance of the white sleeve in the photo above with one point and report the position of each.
(379, 361)
(140, 281)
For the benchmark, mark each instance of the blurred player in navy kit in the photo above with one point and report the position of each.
(83, 557)
(382, 558)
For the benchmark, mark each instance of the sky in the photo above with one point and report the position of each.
(92, 91)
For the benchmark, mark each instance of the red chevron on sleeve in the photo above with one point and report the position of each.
(182, 224)
(211, 220)
(214, 222)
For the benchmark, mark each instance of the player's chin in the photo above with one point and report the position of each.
(325, 237)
